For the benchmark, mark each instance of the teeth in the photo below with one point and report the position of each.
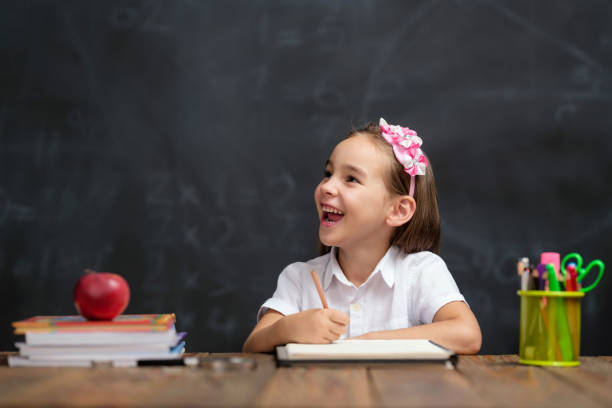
(331, 210)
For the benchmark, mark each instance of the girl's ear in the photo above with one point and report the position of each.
(402, 210)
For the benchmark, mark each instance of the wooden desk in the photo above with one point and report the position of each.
(478, 381)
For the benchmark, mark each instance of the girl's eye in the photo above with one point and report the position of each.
(352, 179)
(327, 174)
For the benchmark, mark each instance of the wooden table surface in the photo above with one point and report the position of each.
(478, 381)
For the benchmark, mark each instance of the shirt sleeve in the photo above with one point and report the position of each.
(434, 288)
(286, 297)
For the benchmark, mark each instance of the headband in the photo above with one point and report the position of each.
(407, 149)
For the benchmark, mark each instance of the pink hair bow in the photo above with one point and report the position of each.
(407, 149)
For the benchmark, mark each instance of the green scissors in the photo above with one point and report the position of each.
(582, 272)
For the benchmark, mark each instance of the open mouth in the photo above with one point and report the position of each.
(330, 215)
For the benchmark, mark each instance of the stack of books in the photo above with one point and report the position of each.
(126, 341)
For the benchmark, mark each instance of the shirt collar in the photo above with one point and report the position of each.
(386, 267)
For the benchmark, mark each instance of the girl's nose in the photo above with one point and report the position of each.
(328, 186)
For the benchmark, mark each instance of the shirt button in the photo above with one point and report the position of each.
(355, 307)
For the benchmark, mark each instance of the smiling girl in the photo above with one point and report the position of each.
(380, 234)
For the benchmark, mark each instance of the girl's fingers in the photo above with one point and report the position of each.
(338, 317)
(338, 329)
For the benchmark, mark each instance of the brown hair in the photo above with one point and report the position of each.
(422, 232)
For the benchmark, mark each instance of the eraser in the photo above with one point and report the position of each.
(551, 257)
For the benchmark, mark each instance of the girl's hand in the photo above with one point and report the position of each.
(315, 326)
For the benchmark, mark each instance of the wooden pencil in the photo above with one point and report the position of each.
(315, 278)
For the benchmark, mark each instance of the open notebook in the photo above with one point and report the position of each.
(365, 351)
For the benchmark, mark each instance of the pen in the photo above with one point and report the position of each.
(541, 276)
(557, 309)
(552, 278)
(570, 279)
(315, 278)
(523, 271)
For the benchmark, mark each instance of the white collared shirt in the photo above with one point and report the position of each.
(403, 291)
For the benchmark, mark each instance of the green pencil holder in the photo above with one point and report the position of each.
(550, 328)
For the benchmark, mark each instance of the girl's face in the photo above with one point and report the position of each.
(352, 200)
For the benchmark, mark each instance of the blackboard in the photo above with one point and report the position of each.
(178, 144)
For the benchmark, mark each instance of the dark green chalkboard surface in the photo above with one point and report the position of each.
(178, 144)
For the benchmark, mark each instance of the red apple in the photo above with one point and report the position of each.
(101, 296)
